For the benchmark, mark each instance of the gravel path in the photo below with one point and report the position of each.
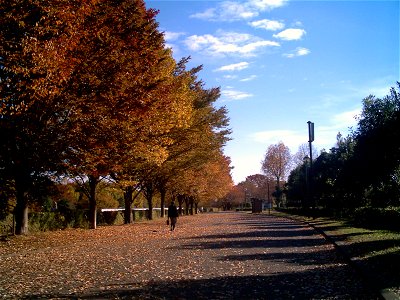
(209, 256)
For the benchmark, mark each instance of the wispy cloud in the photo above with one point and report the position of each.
(234, 67)
(252, 77)
(290, 138)
(325, 136)
(234, 11)
(300, 51)
(172, 36)
(267, 24)
(346, 119)
(290, 34)
(228, 43)
(230, 76)
(230, 94)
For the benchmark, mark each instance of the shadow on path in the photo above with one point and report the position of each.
(282, 286)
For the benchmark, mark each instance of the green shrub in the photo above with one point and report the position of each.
(78, 219)
(119, 219)
(110, 218)
(6, 225)
(377, 218)
(44, 221)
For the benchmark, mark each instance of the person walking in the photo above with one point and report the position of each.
(172, 215)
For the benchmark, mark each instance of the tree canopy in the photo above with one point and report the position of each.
(89, 90)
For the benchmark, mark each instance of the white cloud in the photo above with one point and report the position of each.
(300, 51)
(346, 119)
(267, 24)
(325, 135)
(228, 43)
(172, 36)
(230, 76)
(290, 138)
(267, 4)
(235, 11)
(230, 10)
(208, 14)
(290, 34)
(234, 67)
(231, 94)
(252, 77)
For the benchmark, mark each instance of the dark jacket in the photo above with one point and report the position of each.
(172, 211)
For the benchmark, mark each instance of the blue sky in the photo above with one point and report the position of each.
(282, 63)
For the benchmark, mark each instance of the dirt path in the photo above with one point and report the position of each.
(210, 256)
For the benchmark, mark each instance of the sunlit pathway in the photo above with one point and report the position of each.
(210, 256)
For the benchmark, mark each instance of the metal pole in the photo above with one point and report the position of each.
(310, 172)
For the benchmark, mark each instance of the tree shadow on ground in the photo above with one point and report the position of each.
(306, 258)
(282, 232)
(240, 243)
(310, 284)
(379, 260)
(277, 234)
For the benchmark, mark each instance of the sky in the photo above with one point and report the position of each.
(282, 63)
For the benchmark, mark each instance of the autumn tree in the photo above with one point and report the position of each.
(232, 199)
(194, 144)
(119, 59)
(276, 163)
(173, 113)
(31, 112)
(208, 183)
(303, 152)
(260, 186)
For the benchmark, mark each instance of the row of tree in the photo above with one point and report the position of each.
(268, 186)
(89, 91)
(362, 170)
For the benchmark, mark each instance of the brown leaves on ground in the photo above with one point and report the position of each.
(209, 256)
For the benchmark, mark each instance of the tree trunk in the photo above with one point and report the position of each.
(93, 181)
(191, 203)
(148, 193)
(150, 204)
(196, 207)
(180, 201)
(278, 189)
(21, 215)
(21, 209)
(128, 205)
(163, 192)
(186, 205)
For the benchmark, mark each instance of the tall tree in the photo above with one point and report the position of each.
(260, 186)
(376, 159)
(31, 110)
(302, 153)
(197, 143)
(172, 114)
(119, 60)
(276, 163)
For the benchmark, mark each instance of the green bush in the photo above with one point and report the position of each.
(119, 219)
(110, 218)
(377, 218)
(44, 221)
(6, 225)
(78, 219)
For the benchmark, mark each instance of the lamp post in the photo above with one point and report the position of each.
(306, 201)
(310, 172)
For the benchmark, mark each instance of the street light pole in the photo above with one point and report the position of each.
(310, 172)
(306, 201)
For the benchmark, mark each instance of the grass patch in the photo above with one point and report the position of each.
(376, 251)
